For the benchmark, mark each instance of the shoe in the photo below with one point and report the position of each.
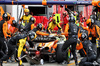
(41, 61)
(95, 63)
(1, 63)
(76, 64)
(21, 65)
(52, 61)
(64, 62)
(72, 59)
(9, 60)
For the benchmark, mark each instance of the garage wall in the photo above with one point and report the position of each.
(13, 10)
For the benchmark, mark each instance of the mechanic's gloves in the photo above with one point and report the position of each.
(26, 52)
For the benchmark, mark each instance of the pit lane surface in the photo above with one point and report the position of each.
(45, 64)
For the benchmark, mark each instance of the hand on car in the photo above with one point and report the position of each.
(19, 58)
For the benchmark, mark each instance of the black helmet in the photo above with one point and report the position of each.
(71, 19)
(32, 35)
(93, 17)
(84, 36)
(92, 21)
(6, 16)
(32, 19)
(14, 23)
(40, 26)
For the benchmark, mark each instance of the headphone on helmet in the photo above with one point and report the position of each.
(72, 19)
(92, 21)
(6, 16)
(84, 36)
(32, 19)
(14, 23)
(93, 17)
(32, 35)
(40, 26)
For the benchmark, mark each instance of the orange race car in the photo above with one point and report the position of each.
(48, 48)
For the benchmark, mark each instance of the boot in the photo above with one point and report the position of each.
(76, 63)
(1, 63)
(21, 65)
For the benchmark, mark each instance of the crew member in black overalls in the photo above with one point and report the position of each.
(71, 30)
(90, 54)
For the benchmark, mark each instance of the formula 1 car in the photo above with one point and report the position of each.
(48, 49)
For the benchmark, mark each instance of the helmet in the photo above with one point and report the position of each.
(92, 21)
(40, 26)
(54, 20)
(14, 23)
(6, 16)
(26, 10)
(32, 19)
(93, 17)
(32, 35)
(53, 14)
(71, 19)
(88, 22)
(83, 36)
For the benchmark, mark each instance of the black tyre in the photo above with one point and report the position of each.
(60, 56)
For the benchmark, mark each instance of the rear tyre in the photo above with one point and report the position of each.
(60, 56)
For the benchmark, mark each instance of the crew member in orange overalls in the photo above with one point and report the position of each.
(4, 34)
(92, 32)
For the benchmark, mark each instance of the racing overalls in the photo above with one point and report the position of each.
(25, 19)
(14, 42)
(65, 19)
(51, 26)
(72, 31)
(3, 34)
(90, 54)
(17, 28)
(98, 41)
(92, 33)
(79, 46)
(38, 32)
(29, 27)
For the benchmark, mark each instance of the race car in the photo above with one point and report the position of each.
(48, 49)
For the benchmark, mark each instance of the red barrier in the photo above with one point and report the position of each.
(41, 19)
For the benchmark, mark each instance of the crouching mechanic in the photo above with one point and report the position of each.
(90, 54)
(52, 25)
(39, 29)
(18, 40)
